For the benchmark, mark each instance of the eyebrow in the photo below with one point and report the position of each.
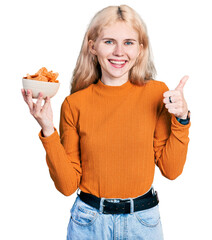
(128, 39)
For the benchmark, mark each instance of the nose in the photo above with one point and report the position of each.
(118, 50)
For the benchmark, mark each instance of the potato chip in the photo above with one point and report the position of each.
(43, 75)
(42, 78)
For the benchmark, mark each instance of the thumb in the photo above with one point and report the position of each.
(182, 83)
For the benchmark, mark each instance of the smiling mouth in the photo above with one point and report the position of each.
(117, 63)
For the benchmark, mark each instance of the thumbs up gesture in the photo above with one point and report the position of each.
(174, 100)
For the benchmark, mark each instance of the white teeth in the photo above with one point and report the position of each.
(117, 62)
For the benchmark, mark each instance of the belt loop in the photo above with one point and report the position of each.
(153, 191)
(78, 191)
(131, 206)
(101, 205)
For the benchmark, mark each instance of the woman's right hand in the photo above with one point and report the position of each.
(43, 114)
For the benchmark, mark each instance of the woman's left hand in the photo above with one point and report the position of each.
(178, 105)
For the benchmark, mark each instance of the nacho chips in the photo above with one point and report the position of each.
(43, 75)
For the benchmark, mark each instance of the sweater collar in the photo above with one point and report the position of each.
(113, 90)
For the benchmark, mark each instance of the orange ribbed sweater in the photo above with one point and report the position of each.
(110, 139)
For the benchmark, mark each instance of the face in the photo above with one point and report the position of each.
(117, 48)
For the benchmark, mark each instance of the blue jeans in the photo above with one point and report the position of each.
(89, 223)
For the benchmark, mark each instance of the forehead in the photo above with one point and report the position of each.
(119, 30)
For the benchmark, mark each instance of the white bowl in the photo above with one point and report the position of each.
(47, 88)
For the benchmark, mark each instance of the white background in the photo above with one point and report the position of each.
(49, 33)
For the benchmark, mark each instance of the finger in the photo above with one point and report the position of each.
(23, 94)
(173, 111)
(37, 107)
(171, 93)
(173, 99)
(182, 83)
(46, 104)
(172, 105)
(29, 99)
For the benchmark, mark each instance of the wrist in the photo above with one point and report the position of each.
(47, 132)
(186, 120)
(185, 116)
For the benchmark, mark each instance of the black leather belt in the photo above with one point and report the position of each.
(146, 201)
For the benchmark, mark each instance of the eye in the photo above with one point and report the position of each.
(109, 42)
(128, 43)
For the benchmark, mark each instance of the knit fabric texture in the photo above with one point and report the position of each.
(111, 138)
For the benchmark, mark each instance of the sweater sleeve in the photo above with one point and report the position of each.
(63, 152)
(170, 142)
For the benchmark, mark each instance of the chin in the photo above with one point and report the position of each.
(116, 74)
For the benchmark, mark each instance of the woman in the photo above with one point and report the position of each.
(116, 124)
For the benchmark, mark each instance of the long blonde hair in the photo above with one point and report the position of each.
(88, 70)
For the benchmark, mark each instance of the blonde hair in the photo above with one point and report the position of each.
(88, 70)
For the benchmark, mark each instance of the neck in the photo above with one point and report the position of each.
(114, 81)
(113, 90)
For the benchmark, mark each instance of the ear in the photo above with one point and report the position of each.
(91, 47)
